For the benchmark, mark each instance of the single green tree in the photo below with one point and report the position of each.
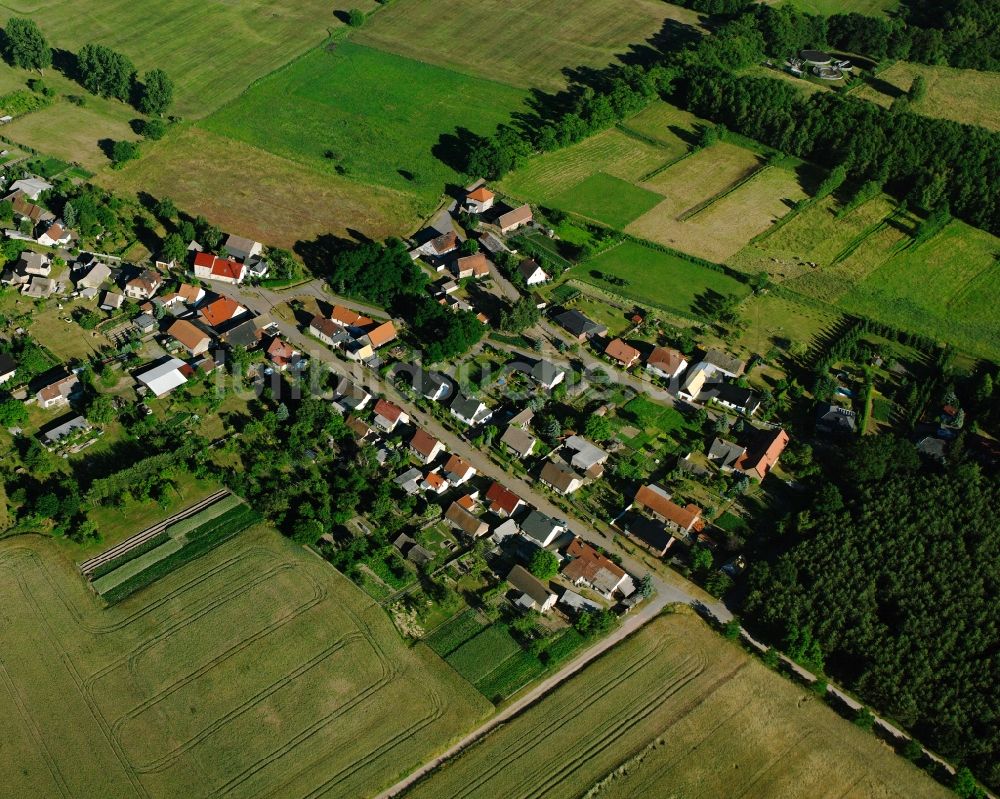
(173, 249)
(544, 564)
(122, 152)
(24, 45)
(13, 413)
(355, 17)
(156, 93)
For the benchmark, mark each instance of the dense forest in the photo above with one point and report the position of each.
(928, 162)
(894, 573)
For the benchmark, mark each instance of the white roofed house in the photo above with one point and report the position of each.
(31, 188)
(585, 456)
(165, 376)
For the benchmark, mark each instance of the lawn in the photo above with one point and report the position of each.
(671, 126)
(607, 199)
(872, 8)
(379, 117)
(677, 711)
(515, 41)
(947, 288)
(256, 670)
(657, 278)
(613, 152)
(964, 95)
(774, 319)
(261, 195)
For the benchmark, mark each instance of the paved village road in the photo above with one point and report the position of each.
(631, 624)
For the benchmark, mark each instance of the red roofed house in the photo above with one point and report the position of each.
(425, 446)
(512, 220)
(281, 353)
(458, 470)
(590, 568)
(212, 267)
(382, 334)
(666, 363)
(345, 317)
(191, 337)
(435, 482)
(757, 462)
(388, 415)
(502, 501)
(476, 266)
(468, 523)
(222, 310)
(479, 200)
(678, 521)
(624, 353)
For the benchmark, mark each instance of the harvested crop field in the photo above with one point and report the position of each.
(256, 670)
(262, 195)
(515, 41)
(962, 95)
(677, 712)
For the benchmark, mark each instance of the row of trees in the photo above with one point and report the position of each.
(99, 69)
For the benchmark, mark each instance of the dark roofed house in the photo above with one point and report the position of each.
(541, 528)
(723, 362)
(834, 420)
(725, 454)
(534, 594)
(519, 441)
(736, 398)
(246, 334)
(8, 367)
(579, 325)
(469, 410)
(559, 478)
(547, 374)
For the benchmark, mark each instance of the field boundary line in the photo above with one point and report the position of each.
(634, 134)
(664, 167)
(704, 205)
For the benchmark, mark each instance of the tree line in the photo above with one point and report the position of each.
(100, 70)
(929, 162)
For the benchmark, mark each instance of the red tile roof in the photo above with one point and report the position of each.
(382, 334)
(220, 311)
(481, 195)
(388, 410)
(686, 518)
(280, 351)
(457, 465)
(502, 499)
(423, 442)
(345, 317)
(762, 460)
(187, 334)
(587, 562)
(665, 359)
(621, 352)
(220, 267)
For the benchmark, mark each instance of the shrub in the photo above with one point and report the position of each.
(122, 152)
(355, 17)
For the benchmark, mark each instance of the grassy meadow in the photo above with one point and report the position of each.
(676, 711)
(962, 95)
(515, 41)
(377, 116)
(657, 278)
(607, 199)
(256, 670)
(872, 8)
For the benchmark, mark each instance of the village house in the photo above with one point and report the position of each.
(144, 285)
(223, 270)
(759, 461)
(345, 317)
(95, 277)
(694, 383)
(559, 478)
(533, 593)
(243, 249)
(678, 521)
(58, 392)
(439, 246)
(725, 454)
(518, 441)
(39, 287)
(8, 368)
(55, 235)
(145, 323)
(362, 430)
(327, 331)
(532, 273)
(541, 528)
(666, 363)
(585, 456)
(424, 446)
(722, 362)
(221, 311)
(281, 353)
(469, 410)
(54, 435)
(246, 333)
(589, 568)
(547, 374)
(409, 480)
(434, 483)
(502, 501)
(165, 376)
(575, 604)
(388, 415)
(580, 326)
(624, 354)
(349, 396)
(467, 522)
(517, 218)
(476, 265)
(833, 420)
(32, 187)
(735, 398)
(26, 210)
(458, 470)
(34, 263)
(190, 336)
(479, 200)
(381, 334)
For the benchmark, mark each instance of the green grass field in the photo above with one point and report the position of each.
(378, 115)
(872, 8)
(676, 711)
(658, 279)
(256, 670)
(773, 319)
(607, 199)
(964, 95)
(515, 41)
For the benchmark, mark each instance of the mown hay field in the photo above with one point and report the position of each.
(963, 95)
(212, 51)
(607, 199)
(658, 278)
(259, 194)
(381, 118)
(255, 670)
(526, 43)
(676, 711)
